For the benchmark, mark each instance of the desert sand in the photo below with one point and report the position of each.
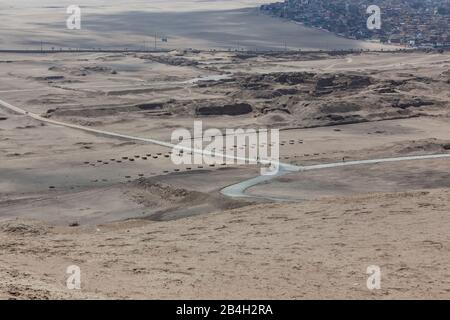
(139, 226)
(196, 24)
(318, 249)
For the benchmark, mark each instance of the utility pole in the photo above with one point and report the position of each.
(155, 42)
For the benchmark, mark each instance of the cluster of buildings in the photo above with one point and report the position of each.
(413, 23)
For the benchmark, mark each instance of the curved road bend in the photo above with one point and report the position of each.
(238, 190)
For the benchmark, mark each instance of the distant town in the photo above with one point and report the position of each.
(411, 23)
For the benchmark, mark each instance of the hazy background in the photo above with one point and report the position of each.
(203, 24)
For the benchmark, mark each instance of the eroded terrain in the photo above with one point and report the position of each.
(330, 107)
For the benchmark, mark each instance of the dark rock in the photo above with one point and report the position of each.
(230, 110)
(416, 103)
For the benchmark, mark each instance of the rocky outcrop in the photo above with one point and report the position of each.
(331, 83)
(413, 103)
(170, 60)
(264, 81)
(229, 110)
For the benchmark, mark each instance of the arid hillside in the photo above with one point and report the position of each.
(319, 249)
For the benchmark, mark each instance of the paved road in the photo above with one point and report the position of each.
(238, 190)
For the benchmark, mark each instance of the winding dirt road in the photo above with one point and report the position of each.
(237, 190)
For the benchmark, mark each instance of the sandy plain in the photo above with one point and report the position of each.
(149, 229)
(196, 24)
